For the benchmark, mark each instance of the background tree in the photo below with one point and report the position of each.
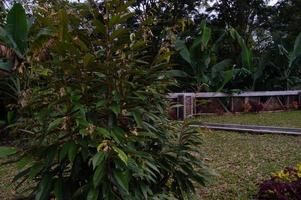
(285, 20)
(245, 16)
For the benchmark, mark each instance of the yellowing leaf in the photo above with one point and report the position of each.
(121, 155)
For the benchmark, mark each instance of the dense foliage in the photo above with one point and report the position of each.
(91, 121)
(206, 71)
(268, 31)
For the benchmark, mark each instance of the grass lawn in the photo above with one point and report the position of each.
(7, 172)
(283, 119)
(243, 160)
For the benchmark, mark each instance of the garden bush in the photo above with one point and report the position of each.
(284, 185)
(92, 121)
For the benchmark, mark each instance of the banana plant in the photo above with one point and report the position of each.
(294, 59)
(284, 63)
(246, 53)
(14, 38)
(204, 70)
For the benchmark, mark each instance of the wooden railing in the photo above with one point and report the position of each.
(236, 102)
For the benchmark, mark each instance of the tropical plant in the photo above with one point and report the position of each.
(285, 184)
(279, 67)
(200, 56)
(93, 123)
(294, 60)
(13, 48)
(14, 39)
(206, 71)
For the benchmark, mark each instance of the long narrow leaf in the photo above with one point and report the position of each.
(17, 27)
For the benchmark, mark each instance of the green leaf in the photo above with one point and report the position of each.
(5, 66)
(114, 20)
(100, 28)
(45, 32)
(64, 151)
(23, 162)
(177, 73)
(206, 35)
(98, 175)
(296, 52)
(83, 47)
(138, 118)
(21, 174)
(196, 45)
(220, 67)
(228, 75)
(35, 170)
(119, 33)
(72, 150)
(4, 36)
(97, 159)
(63, 25)
(119, 19)
(54, 124)
(103, 132)
(58, 189)
(93, 194)
(100, 103)
(7, 151)
(108, 194)
(122, 179)
(17, 28)
(121, 155)
(232, 32)
(115, 108)
(79, 191)
(246, 55)
(117, 134)
(44, 188)
(184, 52)
(186, 55)
(10, 117)
(297, 45)
(88, 59)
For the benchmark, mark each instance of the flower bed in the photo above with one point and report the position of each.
(283, 185)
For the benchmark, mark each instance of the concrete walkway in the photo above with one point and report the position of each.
(249, 128)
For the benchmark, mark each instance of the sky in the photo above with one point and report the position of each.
(272, 2)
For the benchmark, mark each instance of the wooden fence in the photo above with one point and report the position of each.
(214, 102)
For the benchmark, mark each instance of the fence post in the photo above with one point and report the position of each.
(188, 105)
(232, 104)
(181, 109)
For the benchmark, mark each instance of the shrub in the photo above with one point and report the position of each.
(284, 185)
(92, 121)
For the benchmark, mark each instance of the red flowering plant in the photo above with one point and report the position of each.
(283, 185)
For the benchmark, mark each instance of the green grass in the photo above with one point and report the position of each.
(283, 119)
(7, 172)
(243, 160)
(7, 189)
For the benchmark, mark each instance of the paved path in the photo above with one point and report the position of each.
(249, 128)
